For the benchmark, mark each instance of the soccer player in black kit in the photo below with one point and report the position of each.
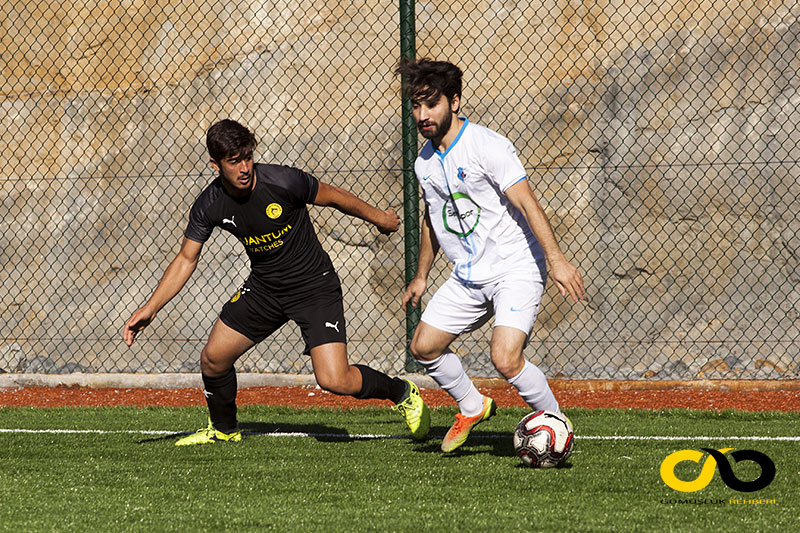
(291, 278)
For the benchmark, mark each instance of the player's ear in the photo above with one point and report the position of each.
(455, 103)
(214, 164)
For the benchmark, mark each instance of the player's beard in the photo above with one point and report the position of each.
(438, 129)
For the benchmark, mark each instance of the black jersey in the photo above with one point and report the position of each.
(272, 223)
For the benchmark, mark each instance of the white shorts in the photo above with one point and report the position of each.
(514, 301)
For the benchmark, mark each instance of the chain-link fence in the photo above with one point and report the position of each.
(661, 137)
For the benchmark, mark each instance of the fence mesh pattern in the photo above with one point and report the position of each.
(660, 136)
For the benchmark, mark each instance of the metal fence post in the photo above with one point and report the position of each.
(410, 191)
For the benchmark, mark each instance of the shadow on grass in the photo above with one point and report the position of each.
(319, 432)
(499, 444)
(478, 443)
(160, 438)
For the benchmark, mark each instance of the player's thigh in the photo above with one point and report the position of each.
(254, 311)
(225, 345)
(454, 309)
(516, 300)
(319, 315)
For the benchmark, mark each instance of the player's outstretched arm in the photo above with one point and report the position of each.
(564, 275)
(175, 277)
(428, 248)
(387, 221)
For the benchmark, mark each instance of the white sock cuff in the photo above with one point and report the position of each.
(521, 372)
(447, 371)
(433, 364)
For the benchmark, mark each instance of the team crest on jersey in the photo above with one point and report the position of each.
(460, 214)
(462, 174)
(274, 210)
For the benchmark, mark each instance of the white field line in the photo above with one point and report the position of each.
(368, 436)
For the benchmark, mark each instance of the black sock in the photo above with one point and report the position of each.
(220, 393)
(378, 385)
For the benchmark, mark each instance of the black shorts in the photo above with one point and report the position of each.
(257, 311)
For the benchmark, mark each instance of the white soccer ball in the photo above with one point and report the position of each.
(543, 439)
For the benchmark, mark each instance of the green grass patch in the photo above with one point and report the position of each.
(331, 481)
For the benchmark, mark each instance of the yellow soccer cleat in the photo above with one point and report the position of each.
(458, 434)
(415, 412)
(209, 435)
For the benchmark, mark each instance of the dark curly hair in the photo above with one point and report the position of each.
(426, 79)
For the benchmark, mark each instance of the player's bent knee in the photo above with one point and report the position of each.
(212, 366)
(423, 352)
(414, 349)
(335, 389)
(335, 386)
(341, 383)
(508, 366)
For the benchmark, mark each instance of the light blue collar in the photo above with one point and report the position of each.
(460, 133)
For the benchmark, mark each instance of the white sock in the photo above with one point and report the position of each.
(446, 370)
(533, 388)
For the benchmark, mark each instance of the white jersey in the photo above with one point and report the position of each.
(477, 227)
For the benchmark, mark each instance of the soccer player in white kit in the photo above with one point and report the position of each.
(481, 211)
